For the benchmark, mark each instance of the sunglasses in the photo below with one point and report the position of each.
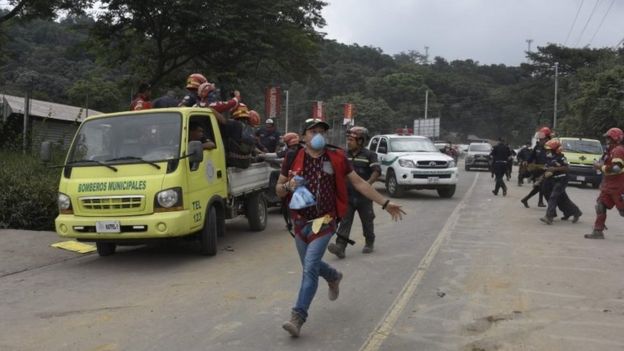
(310, 120)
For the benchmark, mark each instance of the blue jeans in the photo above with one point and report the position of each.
(310, 255)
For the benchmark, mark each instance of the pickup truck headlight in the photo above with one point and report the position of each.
(451, 164)
(169, 200)
(407, 163)
(64, 204)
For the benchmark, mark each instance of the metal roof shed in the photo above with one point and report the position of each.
(48, 120)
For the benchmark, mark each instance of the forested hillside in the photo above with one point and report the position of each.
(100, 60)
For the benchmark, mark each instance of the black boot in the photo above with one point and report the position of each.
(595, 234)
(368, 247)
(337, 249)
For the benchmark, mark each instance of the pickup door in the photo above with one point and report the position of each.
(208, 178)
(382, 155)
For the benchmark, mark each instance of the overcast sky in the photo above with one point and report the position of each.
(488, 31)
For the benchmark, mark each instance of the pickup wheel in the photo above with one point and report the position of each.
(105, 249)
(467, 168)
(447, 192)
(392, 186)
(208, 235)
(256, 211)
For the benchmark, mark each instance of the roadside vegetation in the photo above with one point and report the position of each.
(28, 197)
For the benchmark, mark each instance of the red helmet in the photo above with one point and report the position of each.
(615, 134)
(254, 118)
(195, 80)
(546, 131)
(204, 88)
(554, 145)
(291, 139)
(241, 111)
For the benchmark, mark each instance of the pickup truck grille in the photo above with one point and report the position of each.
(432, 164)
(125, 204)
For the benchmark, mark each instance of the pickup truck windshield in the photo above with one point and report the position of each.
(412, 145)
(582, 146)
(126, 139)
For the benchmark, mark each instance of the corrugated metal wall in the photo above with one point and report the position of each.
(61, 133)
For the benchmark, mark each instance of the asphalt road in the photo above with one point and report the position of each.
(168, 297)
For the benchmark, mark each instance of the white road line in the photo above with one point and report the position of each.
(385, 326)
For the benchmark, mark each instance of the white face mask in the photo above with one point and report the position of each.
(318, 142)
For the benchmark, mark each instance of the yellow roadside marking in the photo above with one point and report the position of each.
(74, 246)
(385, 326)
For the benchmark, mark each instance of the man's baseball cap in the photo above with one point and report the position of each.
(314, 122)
(269, 121)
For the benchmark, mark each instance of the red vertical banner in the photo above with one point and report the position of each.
(272, 102)
(317, 110)
(349, 111)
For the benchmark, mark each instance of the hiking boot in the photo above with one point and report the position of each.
(494, 192)
(293, 326)
(368, 248)
(547, 220)
(595, 234)
(504, 192)
(541, 204)
(337, 249)
(334, 287)
(525, 202)
(565, 218)
(576, 217)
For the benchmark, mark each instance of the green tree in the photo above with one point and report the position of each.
(599, 106)
(223, 39)
(25, 10)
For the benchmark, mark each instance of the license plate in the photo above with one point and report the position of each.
(580, 178)
(433, 180)
(108, 227)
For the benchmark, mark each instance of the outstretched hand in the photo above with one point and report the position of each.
(395, 211)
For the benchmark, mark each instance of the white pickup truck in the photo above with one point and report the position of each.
(413, 162)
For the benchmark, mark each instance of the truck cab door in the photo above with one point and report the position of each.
(208, 177)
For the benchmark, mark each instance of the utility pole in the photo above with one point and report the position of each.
(286, 114)
(426, 54)
(555, 102)
(26, 118)
(529, 41)
(426, 102)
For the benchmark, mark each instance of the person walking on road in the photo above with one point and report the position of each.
(364, 163)
(537, 160)
(325, 172)
(523, 157)
(555, 183)
(612, 186)
(500, 156)
(509, 169)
